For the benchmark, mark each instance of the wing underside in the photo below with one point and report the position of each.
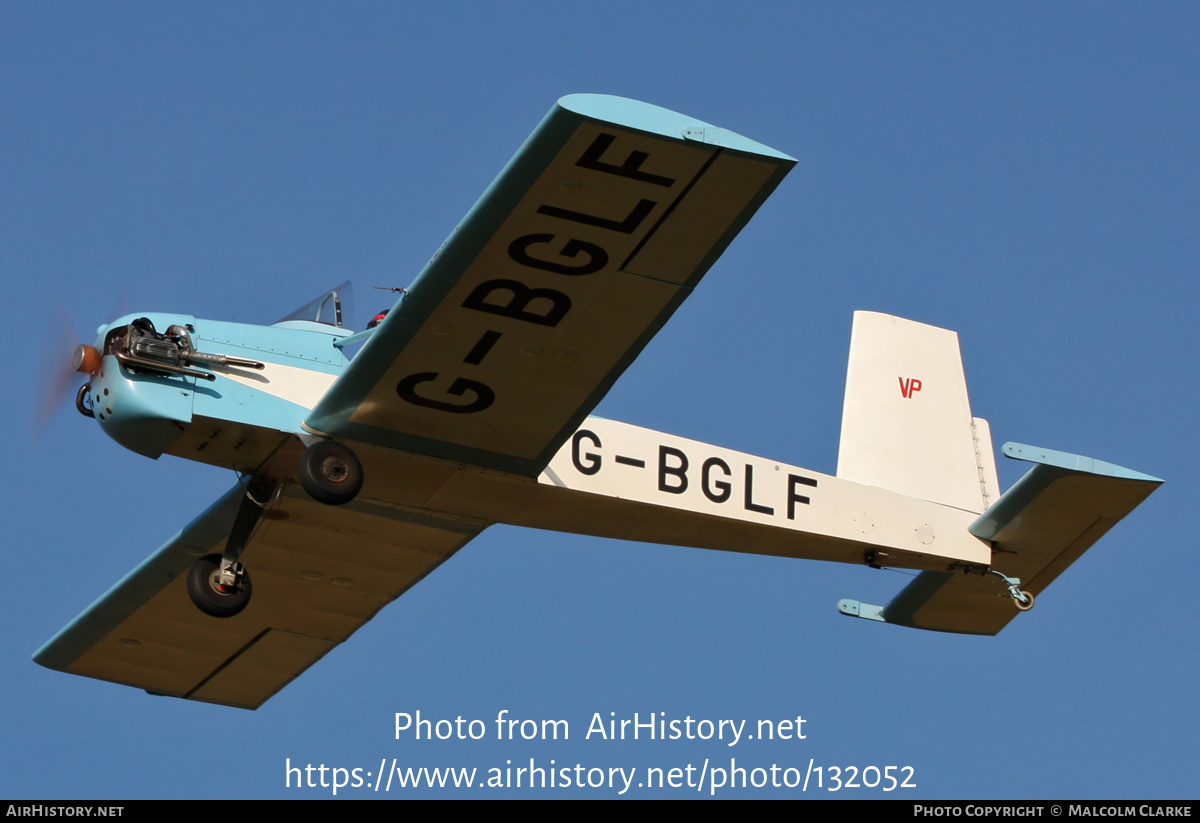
(572, 260)
(319, 573)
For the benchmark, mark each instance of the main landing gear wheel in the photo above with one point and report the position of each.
(1024, 601)
(330, 473)
(212, 596)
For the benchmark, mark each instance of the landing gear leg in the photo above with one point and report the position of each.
(219, 584)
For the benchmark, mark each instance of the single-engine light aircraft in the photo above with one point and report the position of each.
(468, 404)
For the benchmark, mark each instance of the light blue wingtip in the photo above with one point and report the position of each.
(635, 114)
(853, 608)
(1074, 462)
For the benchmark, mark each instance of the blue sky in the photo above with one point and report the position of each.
(1022, 173)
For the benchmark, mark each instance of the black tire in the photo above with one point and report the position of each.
(1025, 603)
(330, 473)
(205, 592)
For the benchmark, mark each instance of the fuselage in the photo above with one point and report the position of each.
(609, 479)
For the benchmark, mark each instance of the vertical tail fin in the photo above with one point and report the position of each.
(906, 421)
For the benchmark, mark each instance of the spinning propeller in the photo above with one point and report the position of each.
(60, 372)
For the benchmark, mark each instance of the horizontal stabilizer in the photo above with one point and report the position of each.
(1037, 528)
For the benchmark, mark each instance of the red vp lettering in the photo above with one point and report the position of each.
(909, 387)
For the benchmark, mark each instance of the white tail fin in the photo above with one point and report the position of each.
(906, 421)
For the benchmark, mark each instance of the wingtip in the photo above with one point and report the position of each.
(1073, 462)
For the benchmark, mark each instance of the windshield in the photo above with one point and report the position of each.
(329, 307)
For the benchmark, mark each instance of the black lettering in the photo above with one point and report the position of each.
(518, 307)
(724, 490)
(795, 480)
(679, 471)
(750, 505)
(627, 226)
(481, 349)
(484, 396)
(597, 257)
(631, 461)
(631, 168)
(593, 465)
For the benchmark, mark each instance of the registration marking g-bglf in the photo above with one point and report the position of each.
(629, 462)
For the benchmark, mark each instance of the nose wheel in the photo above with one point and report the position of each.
(217, 591)
(330, 473)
